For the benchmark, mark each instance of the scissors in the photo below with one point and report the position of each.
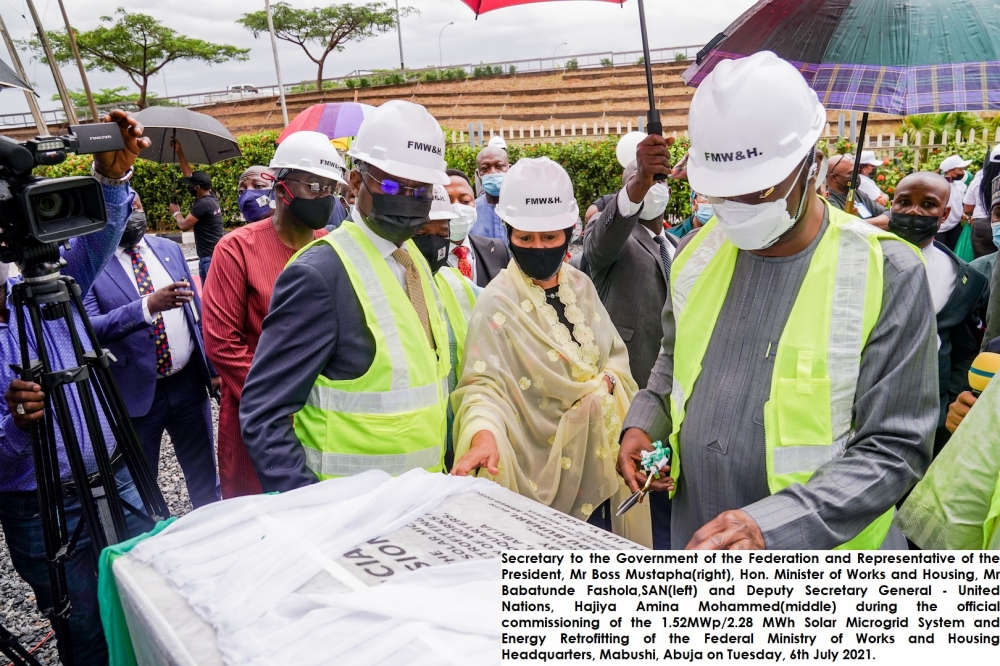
(636, 496)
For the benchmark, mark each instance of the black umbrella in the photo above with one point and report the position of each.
(10, 79)
(204, 139)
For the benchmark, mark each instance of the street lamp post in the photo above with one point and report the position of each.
(554, 52)
(399, 34)
(440, 53)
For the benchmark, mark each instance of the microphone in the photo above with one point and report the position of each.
(14, 156)
(983, 368)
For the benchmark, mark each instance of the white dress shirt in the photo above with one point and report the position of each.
(628, 208)
(957, 211)
(941, 275)
(868, 186)
(383, 247)
(470, 255)
(178, 334)
(972, 198)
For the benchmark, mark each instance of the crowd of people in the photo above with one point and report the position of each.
(801, 346)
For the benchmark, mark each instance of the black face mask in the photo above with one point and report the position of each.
(314, 213)
(192, 191)
(540, 263)
(434, 248)
(397, 218)
(916, 229)
(135, 229)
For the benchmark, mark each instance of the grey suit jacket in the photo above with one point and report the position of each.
(624, 262)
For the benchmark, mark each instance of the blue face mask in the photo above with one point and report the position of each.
(255, 204)
(705, 213)
(492, 182)
(996, 234)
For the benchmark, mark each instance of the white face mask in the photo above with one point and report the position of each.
(655, 201)
(461, 225)
(757, 226)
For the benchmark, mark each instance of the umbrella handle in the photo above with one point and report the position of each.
(849, 204)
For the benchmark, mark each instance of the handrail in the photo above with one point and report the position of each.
(521, 66)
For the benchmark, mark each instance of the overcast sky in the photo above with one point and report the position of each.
(507, 34)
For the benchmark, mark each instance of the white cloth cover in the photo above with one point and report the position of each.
(239, 563)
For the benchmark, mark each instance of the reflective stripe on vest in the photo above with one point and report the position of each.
(817, 361)
(330, 465)
(460, 286)
(393, 417)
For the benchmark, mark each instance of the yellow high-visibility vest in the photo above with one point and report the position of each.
(393, 417)
(807, 418)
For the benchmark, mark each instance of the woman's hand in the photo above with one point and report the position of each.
(482, 453)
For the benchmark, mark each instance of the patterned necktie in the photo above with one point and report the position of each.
(415, 291)
(664, 256)
(464, 265)
(145, 284)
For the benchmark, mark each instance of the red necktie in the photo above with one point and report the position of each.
(163, 361)
(464, 266)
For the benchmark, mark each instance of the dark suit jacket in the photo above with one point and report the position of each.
(115, 309)
(624, 262)
(491, 257)
(958, 326)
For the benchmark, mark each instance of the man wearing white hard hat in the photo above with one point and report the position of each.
(246, 265)
(355, 348)
(866, 183)
(797, 382)
(457, 294)
(545, 380)
(953, 169)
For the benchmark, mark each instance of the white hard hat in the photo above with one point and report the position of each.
(311, 152)
(627, 145)
(751, 121)
(954, 162)
(403, 140)
(537, 195)
(868, 157)
(441, 208)
(496, 141)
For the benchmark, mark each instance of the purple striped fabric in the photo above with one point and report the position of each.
(893, 90)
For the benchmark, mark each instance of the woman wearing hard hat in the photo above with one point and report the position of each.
(545, 379)
(797, 376)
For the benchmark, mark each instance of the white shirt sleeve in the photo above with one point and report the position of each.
(971, 197)
(146, 314)
(626, 206)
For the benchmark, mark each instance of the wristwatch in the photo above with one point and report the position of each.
(112, 182)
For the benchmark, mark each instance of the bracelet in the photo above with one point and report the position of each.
(614, 382)
(176, 213)
(112, 182)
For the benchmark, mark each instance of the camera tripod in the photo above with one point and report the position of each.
(47, 296)
(10, 648)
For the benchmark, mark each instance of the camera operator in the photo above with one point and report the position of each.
(19, 507)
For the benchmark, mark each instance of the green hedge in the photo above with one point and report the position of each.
(591, 164)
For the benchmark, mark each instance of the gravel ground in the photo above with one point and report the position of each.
(18, 612)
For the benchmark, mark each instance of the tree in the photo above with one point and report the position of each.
(330, 28)
(103, 96)
(138, 45)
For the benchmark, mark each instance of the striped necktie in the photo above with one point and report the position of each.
(142, 280)
(415, 291)
(664, 256)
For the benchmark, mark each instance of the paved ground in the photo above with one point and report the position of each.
(17, 602)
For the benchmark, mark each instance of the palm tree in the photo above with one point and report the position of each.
(915, 125)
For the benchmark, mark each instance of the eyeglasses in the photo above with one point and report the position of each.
(314, 186)
(395, 188)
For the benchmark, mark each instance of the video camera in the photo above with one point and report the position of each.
(37, 213)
